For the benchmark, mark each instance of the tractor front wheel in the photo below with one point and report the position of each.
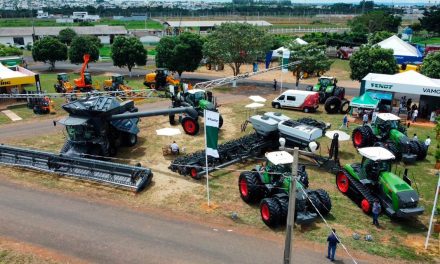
(283, 202)
(345, 107)
(270, 212)
(250, 187)
(395, 150)
(326, 202)
(172, 119)
(421, 154)
(190, 126)
(362, 137)
(332, 105)
(342, 182)
(130, 139)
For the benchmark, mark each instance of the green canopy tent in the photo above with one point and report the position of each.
(364, 101)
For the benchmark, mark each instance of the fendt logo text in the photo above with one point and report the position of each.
(382, 86)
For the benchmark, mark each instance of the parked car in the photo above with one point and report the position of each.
(302, 100)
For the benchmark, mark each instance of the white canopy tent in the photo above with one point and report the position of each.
(278, 53)
(403, 51)
(301, 41)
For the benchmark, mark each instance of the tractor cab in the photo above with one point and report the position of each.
(117, 79)
(277, 165)
(62, 77)
(88, 78)
(161, 76)
(200, 99)
(325, 82)
(374, 161)
(388, 125)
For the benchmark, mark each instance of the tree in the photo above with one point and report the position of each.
(49, 49)
(9, 51)
(378, 37)
(128, 51)
(66, 36)
(236, 44)
(431, 20)
(376, 21)
(372, 59)
(181, 53)
(83, 45)
(312, 56)
(431, 65)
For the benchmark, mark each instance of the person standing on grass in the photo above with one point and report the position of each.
(376, 211)
(274, 84)
(365, 118)
(344, 122)
(427, 143)
(414, 115)
(333, 241)
(415, 137)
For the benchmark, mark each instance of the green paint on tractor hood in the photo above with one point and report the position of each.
(205, 104)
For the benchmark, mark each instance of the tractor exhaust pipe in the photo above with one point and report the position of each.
(405, 177)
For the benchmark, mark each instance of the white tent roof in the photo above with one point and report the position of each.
(6, 73)
(400, 47)
(301, 41)
(279, 52)
(408, 78)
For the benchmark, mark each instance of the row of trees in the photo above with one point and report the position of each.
(126, 51)
(9, 51)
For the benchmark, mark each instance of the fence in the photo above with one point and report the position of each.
(307, 30)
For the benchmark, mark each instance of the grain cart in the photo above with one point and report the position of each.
(372, 179)
(99, 125)
(332, 96)
(199, 100)
(269, 185)
(388, 132)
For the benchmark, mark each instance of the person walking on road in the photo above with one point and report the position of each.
(274, 84)
(376, 211)
(333, 241)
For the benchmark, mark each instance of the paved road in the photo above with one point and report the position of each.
(101, 233)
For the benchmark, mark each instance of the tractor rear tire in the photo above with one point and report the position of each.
(220, 121)
(362, 137)
(250, 187)
(313, 203)
(270, 212)
(414, 147)
(332, 105)
(345, 107)
(421, 155)
(190, 126)
(395, 150)
(326, 202)
(172, 119)
(339, 92)
(283, 202)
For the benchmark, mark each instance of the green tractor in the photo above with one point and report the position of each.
(387, 131)
(200, 100)
(269, 184)
(372, 180)
(332, 96)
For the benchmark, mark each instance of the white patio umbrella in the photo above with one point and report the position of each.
(168, 131)
(254, 105)
(342, 135)
(257, 99)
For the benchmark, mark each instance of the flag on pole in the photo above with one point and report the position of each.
(212, 120)
(286, 56)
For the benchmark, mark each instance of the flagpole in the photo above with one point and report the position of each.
(437, 190)
(206, 160)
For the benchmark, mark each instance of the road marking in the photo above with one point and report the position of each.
(13, 116)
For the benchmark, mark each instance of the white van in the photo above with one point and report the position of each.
(306, 101)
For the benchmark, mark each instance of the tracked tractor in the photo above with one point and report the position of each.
(372, 180)
(160, 79)
(388, 132)
(117, 84)
(331, 95)
(63, 85)
(198, 99)
(269, 184)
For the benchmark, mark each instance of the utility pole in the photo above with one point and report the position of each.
(291, 210)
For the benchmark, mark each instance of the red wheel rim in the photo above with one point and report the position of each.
(365, 206)
(193, 172)
(342, 182)
(189, 126)
(243, 188)
(358, 138)
(265, 212)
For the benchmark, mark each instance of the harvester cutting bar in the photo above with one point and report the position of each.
(237, 150)
(120, 175)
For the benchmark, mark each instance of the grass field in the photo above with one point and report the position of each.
(395, 239)
(428, 41)
(26, 22)
(14, 256)
(106, 50)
